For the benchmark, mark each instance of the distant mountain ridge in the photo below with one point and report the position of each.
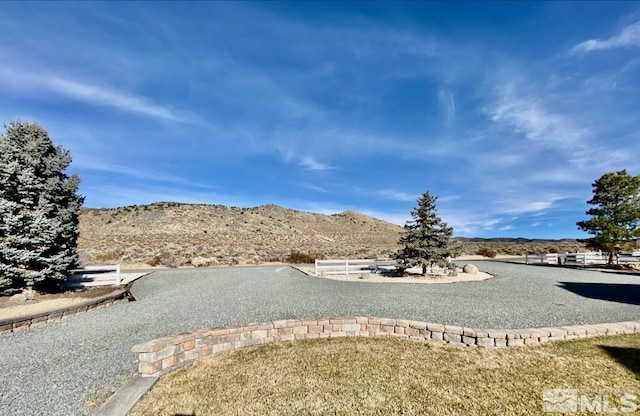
(175, 233)
(515, 240)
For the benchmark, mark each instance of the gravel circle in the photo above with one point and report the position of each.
(56, 369)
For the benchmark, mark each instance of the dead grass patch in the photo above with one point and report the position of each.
(376, 376)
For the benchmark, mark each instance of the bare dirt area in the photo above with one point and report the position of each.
(49, 301)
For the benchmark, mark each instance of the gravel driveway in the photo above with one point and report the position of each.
(57, 368)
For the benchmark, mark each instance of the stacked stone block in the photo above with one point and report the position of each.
(165, 354)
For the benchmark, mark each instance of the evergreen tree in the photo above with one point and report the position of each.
(426, 240)
(615, 217)
(39, 207)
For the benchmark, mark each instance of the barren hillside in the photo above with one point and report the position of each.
(218, 234)
(174, 234)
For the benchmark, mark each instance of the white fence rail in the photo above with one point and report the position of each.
(549, 258)
(102, 275)
(351, 266)
(629, 257)
(580, 259)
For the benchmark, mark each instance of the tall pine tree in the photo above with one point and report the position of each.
(426, 241)
(615, 216)
(39, 207)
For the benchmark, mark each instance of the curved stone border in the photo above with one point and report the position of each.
(376, 278)
(162, 355)
(33, 320)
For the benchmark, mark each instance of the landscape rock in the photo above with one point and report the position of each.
(470, 269)
(18, 298)
(204, 262)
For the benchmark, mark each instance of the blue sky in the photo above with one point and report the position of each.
(506, 111)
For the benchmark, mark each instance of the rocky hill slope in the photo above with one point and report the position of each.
(216, 234)
(175, 234)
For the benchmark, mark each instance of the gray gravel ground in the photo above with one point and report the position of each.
(57, 368)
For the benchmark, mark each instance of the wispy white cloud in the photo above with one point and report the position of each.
(448, 103)
(109, 97)
(448, 198)
(92, 94)
(553, 176)
(408, 42)
(313, 187)
(523, 206)
(387, 193)
(382, 106)
(506, 160)
(395, 195)
(529, 116)
(563, 145)
(91, 164)
(498, 200)
(309, 163)
(616, 79)
(375, 41)
(468, 223)
(490, 221)
(627, 37)
(337, 141)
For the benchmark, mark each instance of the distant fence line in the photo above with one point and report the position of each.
(580, 259)
(351, 266)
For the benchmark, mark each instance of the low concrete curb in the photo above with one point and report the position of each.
(124, 399)
(31, 321)
(163, 355)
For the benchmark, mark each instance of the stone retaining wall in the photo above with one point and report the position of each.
(163, 355)
(33, 320)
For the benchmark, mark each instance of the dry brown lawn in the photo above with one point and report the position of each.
(381, 376)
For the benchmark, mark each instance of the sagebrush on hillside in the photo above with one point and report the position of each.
(211, 235)
(202, 235)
